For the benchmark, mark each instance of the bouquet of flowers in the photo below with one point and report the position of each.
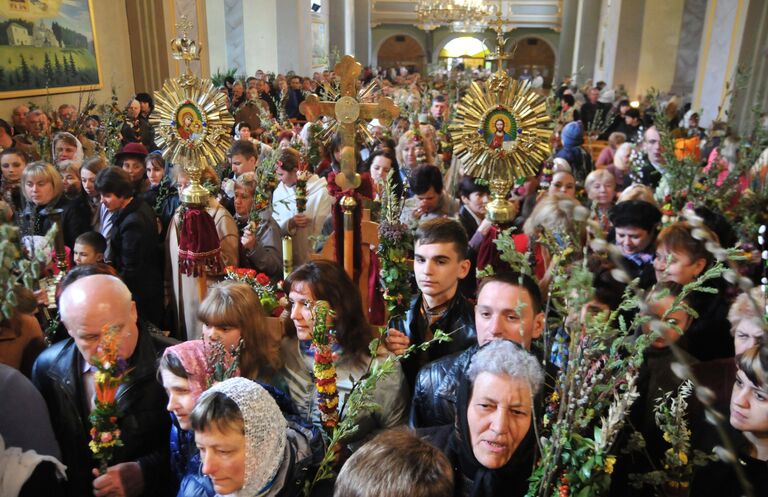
(324, 369)
(221, 364)
(395, 243)
(272, 300)
(301, 190)
(111, 372)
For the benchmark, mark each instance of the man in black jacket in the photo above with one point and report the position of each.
(64, 376)
(508, 307)
(440, 261)
(133, 242)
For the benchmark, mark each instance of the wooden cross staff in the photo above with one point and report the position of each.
(349, 113)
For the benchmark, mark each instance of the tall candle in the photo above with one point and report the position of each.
(287, 256)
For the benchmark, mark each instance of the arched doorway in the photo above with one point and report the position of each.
(533, 54)
(466, 50)
(402, 50)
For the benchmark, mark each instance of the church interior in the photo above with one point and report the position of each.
(361, 248)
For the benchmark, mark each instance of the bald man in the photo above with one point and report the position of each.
(64, 376)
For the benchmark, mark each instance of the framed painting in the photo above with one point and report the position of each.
(47, 46)
(319, 45)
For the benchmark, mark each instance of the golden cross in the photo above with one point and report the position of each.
(498, 26)
(348, 112)
(184, 25)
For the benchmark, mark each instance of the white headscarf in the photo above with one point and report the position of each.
(265, 433)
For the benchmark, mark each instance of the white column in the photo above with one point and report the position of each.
(349, 27)
(719, 54)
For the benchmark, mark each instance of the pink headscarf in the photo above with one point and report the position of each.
(191, 354)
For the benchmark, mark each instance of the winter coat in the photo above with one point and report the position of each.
(134, 241)
(75, 219)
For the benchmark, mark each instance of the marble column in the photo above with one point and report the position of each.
(688, 48)
(363, 32)
(349, 27)
(585, 40)
(628, 44)
(294, 36)
(564, 59)
(754, 56)
(720, 47)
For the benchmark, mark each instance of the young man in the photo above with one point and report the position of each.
(428, 201)
(133, 242)
(509, 307)
(243, 159)
(440, 261)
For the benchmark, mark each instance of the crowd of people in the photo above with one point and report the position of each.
(455, 417)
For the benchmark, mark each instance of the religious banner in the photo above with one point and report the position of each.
(47, 46)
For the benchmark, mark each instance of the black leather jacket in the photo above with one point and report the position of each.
(437, 388)
(144, 422)
(458, 321)
(434, 396)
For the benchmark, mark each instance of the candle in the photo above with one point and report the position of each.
(287, 256)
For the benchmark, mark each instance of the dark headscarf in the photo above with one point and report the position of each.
(511, 480)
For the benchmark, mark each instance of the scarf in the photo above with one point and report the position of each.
(511, 480)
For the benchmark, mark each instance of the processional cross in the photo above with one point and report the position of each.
(349, 113)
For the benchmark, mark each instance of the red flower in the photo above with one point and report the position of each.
(262, 279)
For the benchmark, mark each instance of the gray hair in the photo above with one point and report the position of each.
(502, 357)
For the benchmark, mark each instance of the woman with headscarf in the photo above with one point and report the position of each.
(185, 372)
(247, 447)
(492, 443)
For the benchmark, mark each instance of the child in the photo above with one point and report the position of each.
(89, 248)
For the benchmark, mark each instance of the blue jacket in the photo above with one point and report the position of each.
(186, 464)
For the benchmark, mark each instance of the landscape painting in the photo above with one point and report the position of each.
(47, 46)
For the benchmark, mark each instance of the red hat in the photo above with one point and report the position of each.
(133, 149)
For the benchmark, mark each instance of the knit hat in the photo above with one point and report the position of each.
(133, 149)
(635, 213)
(265, 432)
(572, 134)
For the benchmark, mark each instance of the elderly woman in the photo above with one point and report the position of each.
(247, 448)
(601, 190)
(43, 189)
(491, 446)
(260, 241)
(323, 280)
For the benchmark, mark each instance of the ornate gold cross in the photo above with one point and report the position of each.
(499, 55)
(348, 112)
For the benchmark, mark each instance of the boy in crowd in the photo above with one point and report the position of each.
(89, 248)
(440, 261)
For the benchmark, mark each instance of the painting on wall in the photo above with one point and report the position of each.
(319, 45)
(47, 46)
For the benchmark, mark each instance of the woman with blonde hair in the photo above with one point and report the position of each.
(601, 190)
(43, 189)
(638, 191)
(231, 313)
(408, 149)
(620, 165)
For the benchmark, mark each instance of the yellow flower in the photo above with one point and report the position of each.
(667, 437)
(683, 457)
(609, 462)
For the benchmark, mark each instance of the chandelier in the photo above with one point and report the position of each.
(432, 14)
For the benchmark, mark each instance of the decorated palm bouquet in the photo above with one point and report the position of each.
(324, 369)
(111, 372)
